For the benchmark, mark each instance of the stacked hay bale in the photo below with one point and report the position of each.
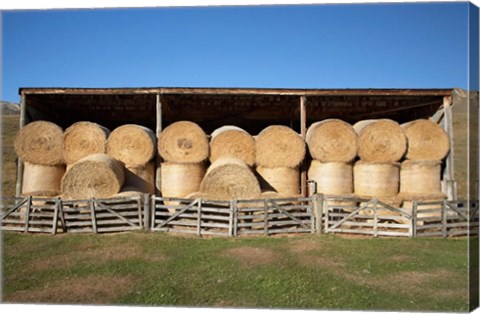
(279, 153)
(183, 146)
(135, 146)
(332, 143)
(40, 146)
(381, 145)
(420, 173)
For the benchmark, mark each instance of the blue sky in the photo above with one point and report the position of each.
(403, 45)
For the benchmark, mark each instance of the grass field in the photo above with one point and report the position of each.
(302, 272)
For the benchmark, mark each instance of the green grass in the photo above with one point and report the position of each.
(303, 272)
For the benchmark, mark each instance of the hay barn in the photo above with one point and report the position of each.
(251, 109)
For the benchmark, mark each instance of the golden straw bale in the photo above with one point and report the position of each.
(232, 141)
(335, 178)
(332, 140)
(129, 191)
(82, 139)
(381, 140)
(183, 142)
(181, 179)
(230, 178)
(372, 179)
(279, 146)
(132, 144)
(420, 177)
(40, 143)
(283, 180)
(96, 175)
(426, 140)
(141, 177)
(40, 180)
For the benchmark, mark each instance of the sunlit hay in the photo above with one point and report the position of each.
(380, 140)
(232, 141)
(40, 143)
(426, 140)
(279, 146)
(40, 180)
(373, 179)
(132, 144)
(183, 142)
(96, 176)
(420, 177)
(230, 178)
(332, 140)
(283, 180)
(82, 139)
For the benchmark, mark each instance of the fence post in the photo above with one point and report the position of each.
(444, 218)
(231, 223)
(265, 216)
(413, 225)
(318, 212)
(153, 209)
(199, 218)
(325, 212)
(146, 212)
(27, 214)
(92, 213)
(55, 216)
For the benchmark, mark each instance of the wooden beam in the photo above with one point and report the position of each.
(158, 131)
(303, 132)
(449, 179)
(20, 168)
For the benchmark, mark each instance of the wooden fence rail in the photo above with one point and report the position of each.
(317, 213)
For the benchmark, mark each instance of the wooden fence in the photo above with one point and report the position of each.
(318, 213)
(52, 215)
(232, 218)
(422, 219)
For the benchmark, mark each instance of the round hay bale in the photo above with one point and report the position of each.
(128, 191)
(183, 142)
(180, 179)
(283, 180)
(420, 177)
(380, 140)
(332, 140)
(334, 178)
(132, 144)
(40, 143)
(376, 180)
(141, 177)
(232, 141)
(96, 175)
(346, 205)
(279, 146)
(426, 140)
(40, 180)
(82, 139)
(230, 178)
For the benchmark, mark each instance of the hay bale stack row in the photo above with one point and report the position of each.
(86, 160)
(40, 146)
(332, 143)
(382, 144)
(420, 173)
(279, 153)
(183, 146)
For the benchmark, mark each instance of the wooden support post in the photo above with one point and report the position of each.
(265, 216)
(235, 218)
(153, 209)
(449, 180)
(62, 215)
(146, 211)
(325, 213)
(444, 218)
(158, 131)
(20, 167)
(231, 218)
(27, 213)
(375, 217)
(303, 132)
(55, 216)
